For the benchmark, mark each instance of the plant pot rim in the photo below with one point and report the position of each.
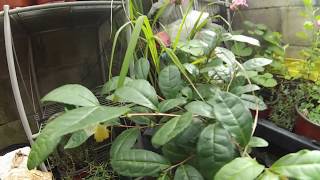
(304, 117)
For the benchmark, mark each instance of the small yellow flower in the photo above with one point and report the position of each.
(101, 133)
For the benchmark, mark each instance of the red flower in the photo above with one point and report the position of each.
(238, 3)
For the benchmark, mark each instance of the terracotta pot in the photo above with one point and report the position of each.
(303, 126)
(265, 114)
(16, 3)
(51, 1)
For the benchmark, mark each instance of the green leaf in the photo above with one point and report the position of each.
(265, 80)
(225, 55)
(130, 50)
(69, 122)
(139, 92)
(301, 165)
(239, 169)
(200, 108)
(171, 129)
(170, 81)
(112, 84)
(240, 49)
(192, 69)
(187, 172)
(124, 141)
(141, 68)
(258, 142)
(135, 163)
(267, 175)
(214, 149)
(253, 102)
(163, 177)
(233, 115)
(238, 90)
(73, 94)
(256, 63)
(245, 39)
(174, 153)
(169, 104)
(193, 47)
(78, 138)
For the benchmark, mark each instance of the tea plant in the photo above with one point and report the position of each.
(193, 97)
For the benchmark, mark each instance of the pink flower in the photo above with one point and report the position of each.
(238, 3)
(164, 37)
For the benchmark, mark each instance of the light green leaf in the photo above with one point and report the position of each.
(240, 169)
(200, 108)
(170, 81)
(256, 63)
(225, 55)
(163, 177)
(169, 104)
(187, 172)
(141, 68)
(124, 141)
(240, 49)
(192, 69)
(112, 84)
(214, 149)
(301, 165)
(135, 163)
(252, 102)
(258, 142)
(267, 175)
(69, 122)
(265, 80)
(233, 115)
(238, 90)
(245, 39)
(139, 92)
(171, 129)
(78, 138)
(73, 94)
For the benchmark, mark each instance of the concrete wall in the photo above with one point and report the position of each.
(279, 15)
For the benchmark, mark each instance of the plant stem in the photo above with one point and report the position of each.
(180, 163)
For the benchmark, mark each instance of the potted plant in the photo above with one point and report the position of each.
(192, 97)
(308, 122)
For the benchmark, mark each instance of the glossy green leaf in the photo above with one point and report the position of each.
(241, 49)
(112, 84)
(267, 175)
(187, 172)
(200, 108)
(171, 129)
(214, 149)
(73, 94)
(124, 141)
(139, 92)
(142, 68)
(135, 163)
(78, 138)
(240, 169)
(301, 165)
(192, 69)
(256, 63)
(225, 55)
(169, 104)
(238, 90)
(253, 102)
(258, 142)
(69, 122)
(170, 81)
(233, 115)
(174, 153)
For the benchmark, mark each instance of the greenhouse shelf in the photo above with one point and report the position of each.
(284, 138)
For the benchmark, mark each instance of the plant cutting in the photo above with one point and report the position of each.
(191, 99)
